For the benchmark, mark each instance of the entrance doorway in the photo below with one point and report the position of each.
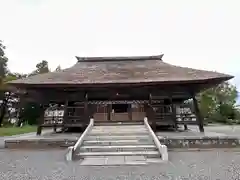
(138, 112)
(120, 112)
(120, 108)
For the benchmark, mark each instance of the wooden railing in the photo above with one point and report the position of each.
(75, 115)
(52, 117)
(173, 114)
(163, 114)
(185, 115)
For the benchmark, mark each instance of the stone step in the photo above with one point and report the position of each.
(117, 137)
(113, 161)
(148, 154)
(119, 142)
(119, 130)
(120, 127)
(154, 160)
(94, 133)
(144, 131)
(97, 123)
(123, 148)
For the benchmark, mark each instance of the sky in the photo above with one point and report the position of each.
(202, 34)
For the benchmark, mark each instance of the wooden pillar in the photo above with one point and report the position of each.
(152, 114)
(198, 114)
(65, 115)
(40, 120)
(109, 110)
(173, 108)
(55, 124)
(130, 112)
(86, 115)
(56, 119)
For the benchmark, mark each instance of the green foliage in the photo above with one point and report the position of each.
(42, 67)
(58, 68)
(3, 63)
(218, 103)
(30, 113)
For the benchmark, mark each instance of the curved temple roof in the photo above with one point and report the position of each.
(122, 70)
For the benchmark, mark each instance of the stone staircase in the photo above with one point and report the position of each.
(117, 144)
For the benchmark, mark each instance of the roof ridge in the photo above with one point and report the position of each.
(119, 58)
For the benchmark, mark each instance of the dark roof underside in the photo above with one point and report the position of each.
(121, 70)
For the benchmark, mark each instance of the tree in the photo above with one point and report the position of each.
(58, 68)
(42, 67)
(218, 103)
(5, 76)
(30, 110)
(3, 63)
(207, 103)
(3, 73)
(6, 96)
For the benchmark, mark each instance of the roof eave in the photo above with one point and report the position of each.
(202, 81)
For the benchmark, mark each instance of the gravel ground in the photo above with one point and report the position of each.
(50, 165)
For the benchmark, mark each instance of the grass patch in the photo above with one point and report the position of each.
(9, 131)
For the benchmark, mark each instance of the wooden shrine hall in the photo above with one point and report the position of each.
(120, 89)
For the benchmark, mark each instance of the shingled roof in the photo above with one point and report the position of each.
(121, 70)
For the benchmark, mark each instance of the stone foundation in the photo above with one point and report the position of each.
(39, 143)
(183, 143)
(200, 142)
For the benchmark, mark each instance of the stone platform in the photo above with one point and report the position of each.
(215, 136)
(49, 140)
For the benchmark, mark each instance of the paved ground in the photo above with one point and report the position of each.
(227, 130)
(50, 165)
(211, 131)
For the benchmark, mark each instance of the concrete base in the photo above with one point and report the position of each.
(70, 153)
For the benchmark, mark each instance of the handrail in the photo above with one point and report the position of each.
(161, 148)
(72, 149)
(80, 140)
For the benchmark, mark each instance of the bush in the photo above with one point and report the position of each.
(217, 117)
